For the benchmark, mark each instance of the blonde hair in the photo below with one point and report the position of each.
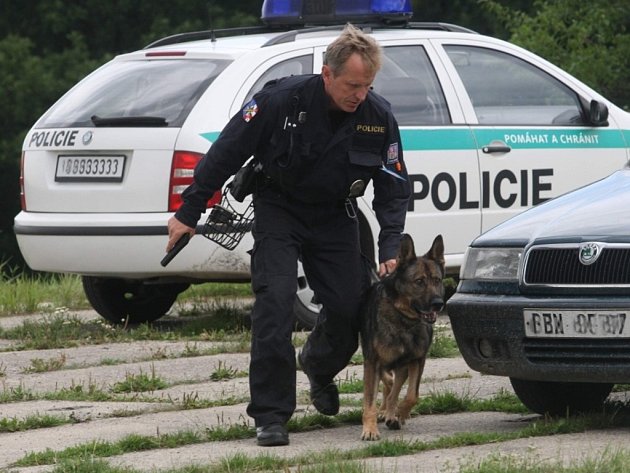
(352, 40)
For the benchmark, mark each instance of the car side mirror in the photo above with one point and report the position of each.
(598, 113)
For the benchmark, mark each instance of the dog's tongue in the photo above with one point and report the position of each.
(429, 317)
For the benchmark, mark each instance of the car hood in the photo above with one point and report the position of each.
(596, 212)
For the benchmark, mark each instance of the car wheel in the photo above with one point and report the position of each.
(121, 301)
(559, 398)
(306, 306)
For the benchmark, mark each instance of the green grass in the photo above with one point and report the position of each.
(203, 292)
(443, 345)
(383, 448)
(32, 422)
(22, 294)
(64, 330)
(141, 382)
(450, 403)
(44, 293)
(39, 365)
(93, 393)
(223, 372)
(610, 461)
(614, 415)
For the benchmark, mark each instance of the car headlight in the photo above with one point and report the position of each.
(491, 264)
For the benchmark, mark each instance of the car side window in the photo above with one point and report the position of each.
(506, 90)
(408, 81)
(289, 67)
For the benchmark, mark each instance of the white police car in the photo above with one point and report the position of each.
(488, 130)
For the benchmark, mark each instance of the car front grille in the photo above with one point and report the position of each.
(577, 351)
(560, 265)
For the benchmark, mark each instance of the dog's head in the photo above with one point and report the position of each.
(417, 281)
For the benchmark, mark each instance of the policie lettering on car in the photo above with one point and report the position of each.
(53, 138)
(506, 188)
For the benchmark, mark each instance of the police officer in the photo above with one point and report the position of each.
(320, 138)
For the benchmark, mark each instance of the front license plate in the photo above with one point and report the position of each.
(89, 168)
(576, 323)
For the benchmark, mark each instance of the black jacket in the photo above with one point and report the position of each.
(287, 127)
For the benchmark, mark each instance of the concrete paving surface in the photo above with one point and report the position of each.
(160, 412)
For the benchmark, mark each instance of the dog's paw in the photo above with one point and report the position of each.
(402, 415)
(370, 435)
(393, 424)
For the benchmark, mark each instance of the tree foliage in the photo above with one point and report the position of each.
(46, 46)
(590, 40)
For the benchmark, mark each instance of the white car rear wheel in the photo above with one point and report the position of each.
(122, 302)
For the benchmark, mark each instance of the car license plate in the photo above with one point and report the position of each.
(90, 168)
(576, 323)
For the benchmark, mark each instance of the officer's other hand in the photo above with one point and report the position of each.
(175, 230)
(386, 267)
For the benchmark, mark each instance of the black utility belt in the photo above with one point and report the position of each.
(356, 189)
(270, 185)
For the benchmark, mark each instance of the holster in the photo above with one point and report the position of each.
(244, 180)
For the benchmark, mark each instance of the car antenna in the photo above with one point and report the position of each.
(213, 36)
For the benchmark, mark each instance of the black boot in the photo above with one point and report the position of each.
(272, 435)
(324, 393)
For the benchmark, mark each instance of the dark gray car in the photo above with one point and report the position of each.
(544, 298)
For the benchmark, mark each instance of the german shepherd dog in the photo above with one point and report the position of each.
(396, 333)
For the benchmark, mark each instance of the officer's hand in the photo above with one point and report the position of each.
(387, 267)
(175, 230)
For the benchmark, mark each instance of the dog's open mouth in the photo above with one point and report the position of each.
(428, 316)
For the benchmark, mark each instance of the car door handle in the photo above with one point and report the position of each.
(496, 147)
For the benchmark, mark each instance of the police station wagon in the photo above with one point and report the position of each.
(488, 130)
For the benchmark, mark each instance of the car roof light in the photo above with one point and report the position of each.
(300, 12)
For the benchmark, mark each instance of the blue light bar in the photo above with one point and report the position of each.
(320, 12)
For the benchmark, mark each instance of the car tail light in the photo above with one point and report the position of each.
(22, 195)
(182, 171)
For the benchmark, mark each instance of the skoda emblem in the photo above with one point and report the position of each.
(589, 252)
(87, 138)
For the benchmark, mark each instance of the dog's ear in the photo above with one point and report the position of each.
(407, 249)
(436, 253)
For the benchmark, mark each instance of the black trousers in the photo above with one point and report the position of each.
(326, 239)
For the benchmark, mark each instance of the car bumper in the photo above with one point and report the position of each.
(490, 332)
(110, 245)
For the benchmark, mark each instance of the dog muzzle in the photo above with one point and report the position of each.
(429, 316)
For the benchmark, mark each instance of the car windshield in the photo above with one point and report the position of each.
(124, 93)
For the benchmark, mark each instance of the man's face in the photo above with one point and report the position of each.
(349, 88)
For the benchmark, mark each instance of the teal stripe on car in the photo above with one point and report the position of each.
(517, 138)
(528, 138)
(211, 136)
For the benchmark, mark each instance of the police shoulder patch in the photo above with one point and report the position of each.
(250, 110)
(392, 153)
